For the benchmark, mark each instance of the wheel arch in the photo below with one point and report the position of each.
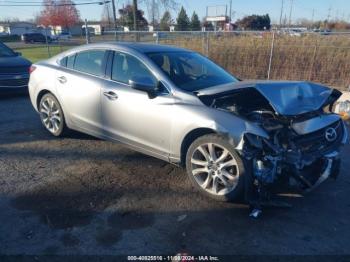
(40, 95)
(188, 140)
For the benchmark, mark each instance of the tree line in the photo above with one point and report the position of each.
(64, 13)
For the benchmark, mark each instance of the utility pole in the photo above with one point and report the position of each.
(290, 13)
(106, 9)
(329, 13)
(230, 11)
(281, 13)
(153, 11)
(313, 15)
(328, 16)
(87, 33)
(114, 15)
(337, 15)
(134, 10)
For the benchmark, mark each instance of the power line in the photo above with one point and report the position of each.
(36, 4)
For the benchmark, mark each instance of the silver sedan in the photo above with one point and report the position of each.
(174, 104)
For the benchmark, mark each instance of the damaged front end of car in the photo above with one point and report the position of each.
(304, 136)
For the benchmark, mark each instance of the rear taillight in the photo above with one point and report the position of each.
(31, 69)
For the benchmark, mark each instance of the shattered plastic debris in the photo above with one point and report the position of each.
(181, 218)
(255, 213)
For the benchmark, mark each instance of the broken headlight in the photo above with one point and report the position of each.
(343, 109)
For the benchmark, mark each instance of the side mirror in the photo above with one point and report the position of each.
(145, 84)
(18, 53)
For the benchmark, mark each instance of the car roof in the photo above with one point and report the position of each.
(122, 46)
(151, 48)
(139, 47)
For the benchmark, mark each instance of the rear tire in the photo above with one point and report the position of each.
(215, 168)
(51, 115)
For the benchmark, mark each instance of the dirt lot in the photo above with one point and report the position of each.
(81, 195)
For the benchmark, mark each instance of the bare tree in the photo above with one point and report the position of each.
(154, 7)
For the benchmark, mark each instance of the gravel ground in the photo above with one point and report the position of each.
(84, 196)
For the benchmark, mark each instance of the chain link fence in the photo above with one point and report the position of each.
(247, 55)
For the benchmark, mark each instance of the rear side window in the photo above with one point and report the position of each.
(63, 61)
(70, 61)
(67, 61)
(89, 61)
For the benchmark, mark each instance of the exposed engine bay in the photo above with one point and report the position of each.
(303, 145)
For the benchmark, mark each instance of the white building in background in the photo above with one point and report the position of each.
(94, 29)
(75, 30)
(17, 28)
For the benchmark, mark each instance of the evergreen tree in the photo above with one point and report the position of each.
(182, 21)
(127, 18)
(165, 21)
(195, 23)
(255, 22)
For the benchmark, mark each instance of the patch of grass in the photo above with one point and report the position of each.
(37, 53)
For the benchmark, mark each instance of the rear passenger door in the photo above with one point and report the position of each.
(78, 85)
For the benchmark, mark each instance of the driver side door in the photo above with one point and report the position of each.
(132, 116)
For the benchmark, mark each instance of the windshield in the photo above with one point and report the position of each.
(5, 51)
(191, 71)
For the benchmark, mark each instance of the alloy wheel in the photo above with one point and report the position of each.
(50, 114)
(214, 168)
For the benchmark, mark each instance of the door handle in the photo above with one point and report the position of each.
(111, 95)
(62, 79)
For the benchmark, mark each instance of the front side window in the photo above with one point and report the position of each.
(89, 61)
(126, 67)
(191, 71)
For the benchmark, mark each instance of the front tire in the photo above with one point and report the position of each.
(51, 115)
(215, 168)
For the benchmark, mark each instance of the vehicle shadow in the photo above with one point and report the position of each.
(127, 213)
(100, 214)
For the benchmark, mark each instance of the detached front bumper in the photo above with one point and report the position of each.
(332, 169)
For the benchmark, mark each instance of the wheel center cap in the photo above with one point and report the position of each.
(214, 167)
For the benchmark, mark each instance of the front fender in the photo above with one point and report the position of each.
(191, 117)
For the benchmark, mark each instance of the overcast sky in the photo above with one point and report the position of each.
(301, 8)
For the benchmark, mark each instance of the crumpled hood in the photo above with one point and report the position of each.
(285, 97)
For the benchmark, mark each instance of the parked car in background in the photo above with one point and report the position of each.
(235, 138)
(14, 71)
(35, 38)
(62, 36)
